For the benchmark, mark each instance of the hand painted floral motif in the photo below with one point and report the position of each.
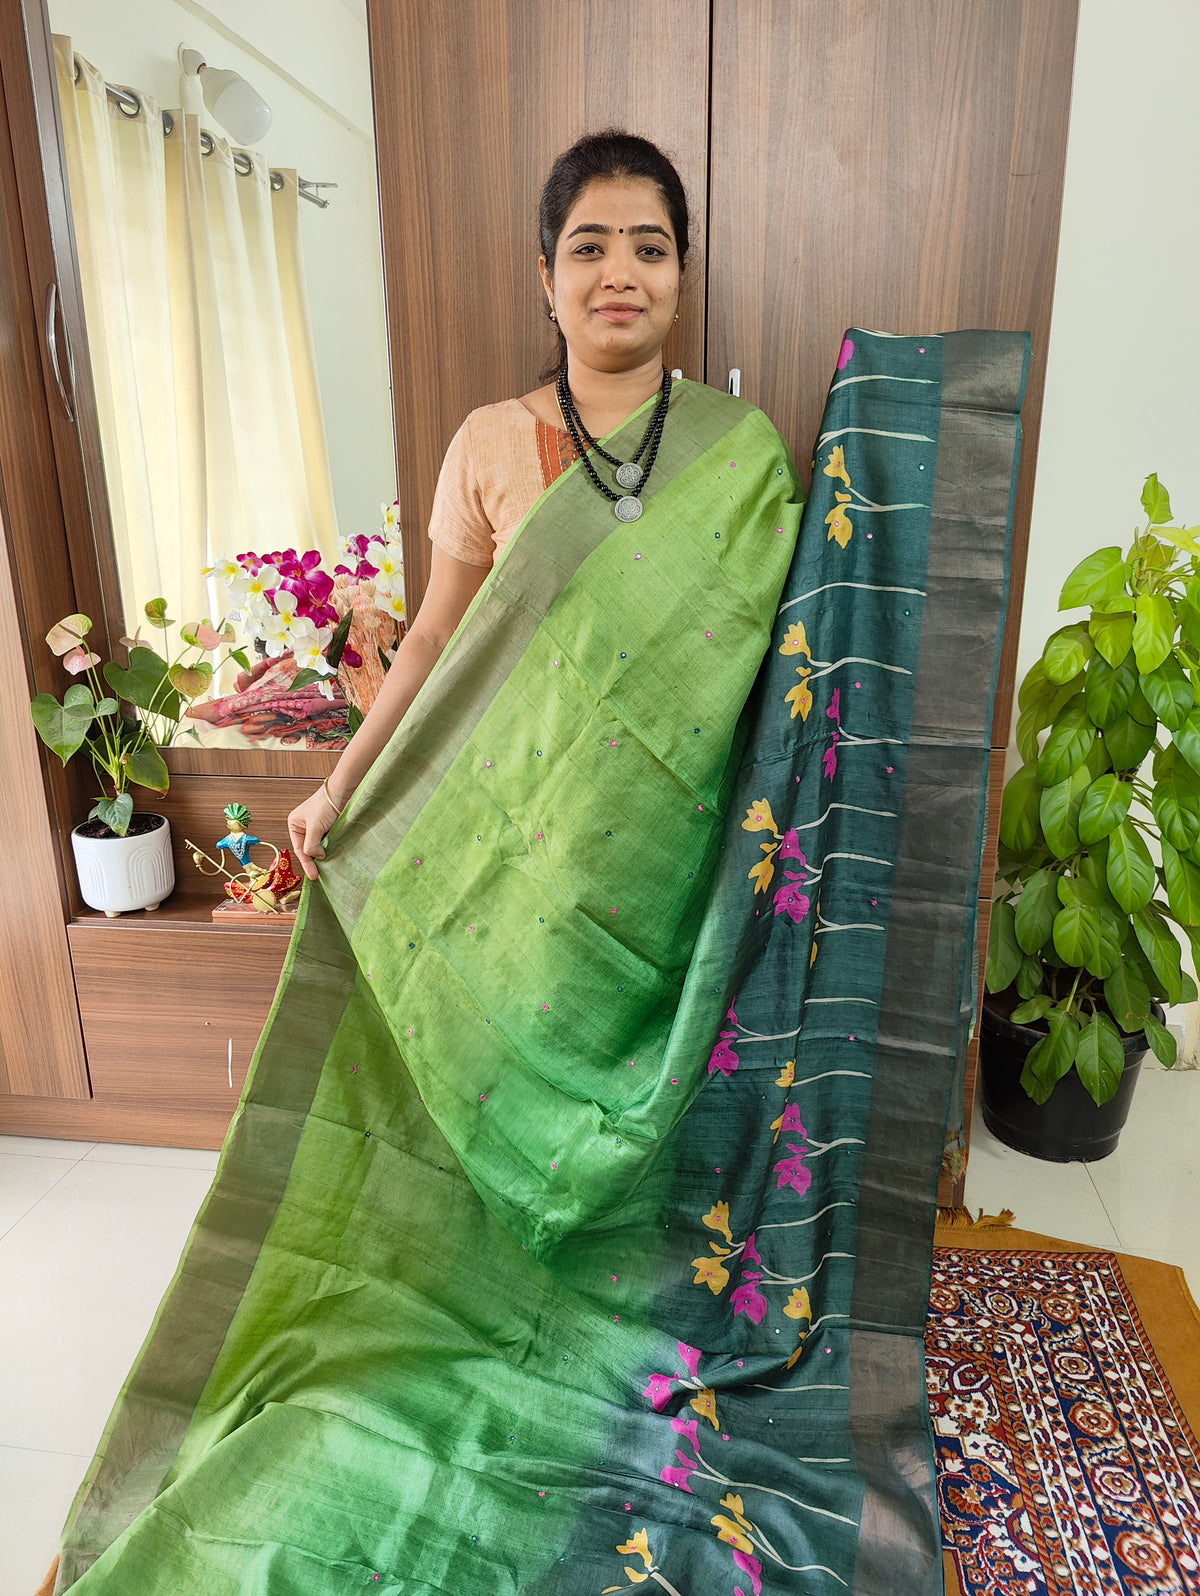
(711, 1272)
(788, 1121)
(723, 1057)
(787, 1074)
(792, 1171)
(829, 757)
(841, 528)
(799, 1307)
(796, 642)
(835, 466)
(717, 1218)
(638, 1545)
(748, 1299)
(788, 899)
(705, 1404)
(658, 1388)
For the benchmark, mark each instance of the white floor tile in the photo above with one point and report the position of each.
(168, 1157)
(43, 1147)
(80, 1278)
(25, 1181)
(1054, 1199)
(36, 1492)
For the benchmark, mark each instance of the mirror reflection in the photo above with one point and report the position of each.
(221, 167)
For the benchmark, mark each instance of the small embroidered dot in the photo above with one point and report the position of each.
(908, 612)
(483, 1097)
(416, 861)
(608, 833)
(410, 1030)
(565, 1358)
(353, 1069)
(541, 1493)
(777, 1332)
(616, 1318)
(708, 634)
(478, 836)
(778, 471)
(487, 764)
(852, 1039)
(691, 875)
(716, 1171)
(539, 753)
(470, 928)
(555, 664)
(870, 535)
(888, 769)
(919, 468)
(629, 1507)
(545, 1008)
(674, 1080)
(828, 1349)
(612, 742)
(553, 1166)
(366, 1133)
(412, 944)
(637, 556)
(716, 534)
(613, 1278)
(733, 465)
(779, 531)
(739, 1363)
(700, 807)
(724, 1438)
(632, 1064)
(374, 1576)
(874, 901)
(921, 350)
(538, 836)
(620, 989)
(620, 1143)
(541, 920)
(695, 731)
(612, 911)
(474, 1537)
(622, 656)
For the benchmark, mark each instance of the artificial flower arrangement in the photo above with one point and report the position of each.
(323, 636)
(124, 748)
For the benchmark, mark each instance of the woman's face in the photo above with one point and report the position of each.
(615, 286)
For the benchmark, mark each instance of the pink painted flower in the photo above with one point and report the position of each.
(723, 1058)
(846, 353)
(680, 1476)
(690, 1355)
(835, 699)
(829, 758)
(789, 1122)
(791, 848)
(749, 1300)
(687, 1427)
(750, 1250)
(749, 1565)
(791, 901)
(658, 1390)
(731, 1016)
(792, 1172)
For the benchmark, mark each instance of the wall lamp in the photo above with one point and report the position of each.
(239, 108)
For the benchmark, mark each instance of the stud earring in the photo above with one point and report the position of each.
(553, 316)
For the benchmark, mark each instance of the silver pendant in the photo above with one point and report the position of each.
(627, 509)
(629, 475)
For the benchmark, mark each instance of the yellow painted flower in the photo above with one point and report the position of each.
(759, 817)
(812, 957)
(705, 1404)
(798, 1305)
(638, 1545)
(795, 1357)
(787, 1074)
(762, 872)
(835, 466)
(796, 641)
(728, 1531)
(717, 1218)
(736, 1507)
(711, 1272)
(800, 697)
(838, 521)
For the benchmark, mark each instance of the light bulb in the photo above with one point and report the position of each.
(238, 107)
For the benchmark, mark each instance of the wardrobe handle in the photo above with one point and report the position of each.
(735, 382)
(52, 350)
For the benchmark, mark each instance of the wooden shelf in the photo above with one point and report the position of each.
(180, 912)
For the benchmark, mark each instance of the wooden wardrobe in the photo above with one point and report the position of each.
(890, 165)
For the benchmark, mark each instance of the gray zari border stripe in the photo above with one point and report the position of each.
(142, 1438)
(928, 981)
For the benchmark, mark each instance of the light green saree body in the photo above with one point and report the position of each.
(572, 1230)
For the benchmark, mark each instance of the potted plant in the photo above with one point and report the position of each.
(1099, 859)
(123, 859)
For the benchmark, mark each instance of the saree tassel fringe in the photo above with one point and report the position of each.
(573, 1232)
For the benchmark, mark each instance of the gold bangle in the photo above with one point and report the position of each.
(329, 796)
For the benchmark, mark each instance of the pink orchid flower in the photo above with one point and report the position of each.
(723, 1058)
(829, 758)
(750, 1250)
(791, 901)
(749, 1300)
(835, 700)
(791, 849)
(792, 1171)
(749, 1565)
(691, 1356)
(687, 1427)
(658, 1391)
(680, 1476)
(790, 1121)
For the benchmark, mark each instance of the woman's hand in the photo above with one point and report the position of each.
(307, 825)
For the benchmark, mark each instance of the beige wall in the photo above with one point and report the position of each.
(308, 59)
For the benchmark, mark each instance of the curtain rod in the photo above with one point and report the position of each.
(131, 105)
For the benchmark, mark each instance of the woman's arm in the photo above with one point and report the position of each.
(452, 585)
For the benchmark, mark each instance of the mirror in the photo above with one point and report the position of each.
(232, 288)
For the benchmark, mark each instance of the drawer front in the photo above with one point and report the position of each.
(171, 1018)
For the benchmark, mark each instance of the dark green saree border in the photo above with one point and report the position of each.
(928, 970)
(160, 1395)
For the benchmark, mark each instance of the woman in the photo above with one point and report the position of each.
(566, 1237)
(612, 290)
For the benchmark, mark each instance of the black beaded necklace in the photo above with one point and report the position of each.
(631, 474)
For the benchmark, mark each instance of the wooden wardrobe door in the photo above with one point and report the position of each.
(473, 100)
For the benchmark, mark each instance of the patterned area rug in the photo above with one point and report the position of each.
(1066, 1460)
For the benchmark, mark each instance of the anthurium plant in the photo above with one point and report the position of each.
(124, 748)
(1100, 827)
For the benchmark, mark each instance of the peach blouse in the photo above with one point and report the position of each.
(500, 461)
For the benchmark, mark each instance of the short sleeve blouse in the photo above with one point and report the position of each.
(499, 463)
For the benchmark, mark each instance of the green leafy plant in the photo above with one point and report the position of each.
(1100, 862)
(123, 748)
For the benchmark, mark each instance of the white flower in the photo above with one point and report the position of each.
(325, 688)
(386, 556)
(308, 645)
(390, 603)
(391, 518)
(285, 602)
(256, 587)
(275, 633)
(225, 569)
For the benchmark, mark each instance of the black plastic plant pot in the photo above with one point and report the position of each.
(1068, 1127)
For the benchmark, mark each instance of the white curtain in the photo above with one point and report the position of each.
(200, 344)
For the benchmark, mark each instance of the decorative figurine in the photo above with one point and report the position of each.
(255, 889)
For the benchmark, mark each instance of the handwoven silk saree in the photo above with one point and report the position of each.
(573, 1231)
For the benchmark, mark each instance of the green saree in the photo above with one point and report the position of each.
(573, 1231)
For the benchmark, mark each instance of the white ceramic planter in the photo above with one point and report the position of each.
(120, 874)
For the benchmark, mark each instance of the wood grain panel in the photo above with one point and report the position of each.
(473, 101)
(995, 790)
(113, 1122)
(41, 1047)
(197, 997)
(306, 764)
(885, 166)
